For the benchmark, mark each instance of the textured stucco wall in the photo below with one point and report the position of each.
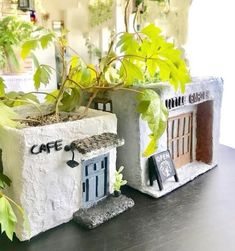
(136, 131)
(48, 189)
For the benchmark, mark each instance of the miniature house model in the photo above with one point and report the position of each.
(39, 159)
(191, 137)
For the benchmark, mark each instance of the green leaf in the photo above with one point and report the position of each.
(111, 75)
(30, 96)
(164, 70)
(163, 59)
(152, 66)
(85, 75)
(22, 98)
(119, 179)
(7, 218)
(35, 60)
(2, 87)
(42, 75)
(75, 62)
(151, 31)
(143, 106)
(154, 112)
(46, 39)
(7, 115)
(27, 47)
(130, 72)
(4, 181)
(51, 97)
(70, 100)
(128, 44)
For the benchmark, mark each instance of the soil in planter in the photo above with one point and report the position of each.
(49, 119)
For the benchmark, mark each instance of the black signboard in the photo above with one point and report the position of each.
(161, 168)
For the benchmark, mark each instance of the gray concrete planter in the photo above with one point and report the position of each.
(42, 183)
(195, 114)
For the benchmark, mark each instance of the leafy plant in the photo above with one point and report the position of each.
(8, 218)
(119, 180)
(13, 32)
(144, 57)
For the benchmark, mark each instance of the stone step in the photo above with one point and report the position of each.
(103, 211)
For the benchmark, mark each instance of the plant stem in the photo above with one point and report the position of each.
(58, 99)
(126, 17)
(63, 81)
(92, 97)
(44, 93)
(134, 22)
(77, 84)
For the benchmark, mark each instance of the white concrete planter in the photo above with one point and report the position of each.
(206, 91)
(43, 184)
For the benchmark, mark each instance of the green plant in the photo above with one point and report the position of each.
(19, 34)
(119, 180)
(13, 32)
(145, 56)
(8, 218)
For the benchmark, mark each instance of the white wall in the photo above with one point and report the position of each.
(211, 51)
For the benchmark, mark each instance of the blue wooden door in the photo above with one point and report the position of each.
(95, 179)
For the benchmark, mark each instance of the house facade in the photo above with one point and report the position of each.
(191, 137)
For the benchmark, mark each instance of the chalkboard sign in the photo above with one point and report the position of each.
(161, 168)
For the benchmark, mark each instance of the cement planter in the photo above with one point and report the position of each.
(195, 112)
(42, 183)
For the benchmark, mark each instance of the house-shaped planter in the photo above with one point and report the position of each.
(191, 136)
(43, 183)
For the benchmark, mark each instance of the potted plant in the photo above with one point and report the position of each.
(119, 182)
(144, 57)
(13, 33)
(37, 142)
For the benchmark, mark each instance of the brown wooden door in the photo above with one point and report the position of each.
(179, 133)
